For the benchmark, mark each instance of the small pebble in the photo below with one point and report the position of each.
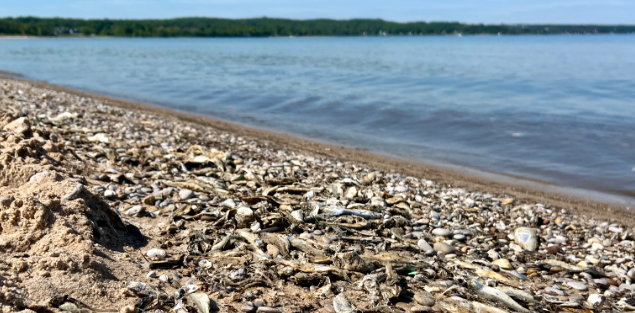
(424, 246)
(577, 285)
(444, 247)
(185, 194)
(554, 291)
(248, 308)
(442, 232)
(135, 210)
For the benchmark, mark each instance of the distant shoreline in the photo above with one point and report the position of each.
(18, 37)
(271, 27)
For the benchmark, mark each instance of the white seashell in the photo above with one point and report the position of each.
(596, 300)
(204, 263)
(298, 215)
(101, 137)
(37, 178)
(156, 254)
(63, 116)
(496, 295)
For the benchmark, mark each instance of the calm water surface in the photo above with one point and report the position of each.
(554, 108)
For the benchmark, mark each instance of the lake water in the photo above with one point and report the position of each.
(555, 108)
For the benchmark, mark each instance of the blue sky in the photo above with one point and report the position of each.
(470, 11)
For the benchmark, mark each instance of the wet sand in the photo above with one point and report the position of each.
(600, 206)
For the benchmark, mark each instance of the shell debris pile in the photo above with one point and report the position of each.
(205, 221)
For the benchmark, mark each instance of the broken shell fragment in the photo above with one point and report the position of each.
(101, 137)
(496, 296)
(424, 298)
(244, 216)
(351, 261)
(341, 304)
(503, 263)
(526, 238)
(200, 301)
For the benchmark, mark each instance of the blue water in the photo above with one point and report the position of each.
(554, 108)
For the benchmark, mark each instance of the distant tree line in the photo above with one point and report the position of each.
(266, 27)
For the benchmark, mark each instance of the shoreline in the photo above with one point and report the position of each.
(600, 205)
(115, 206)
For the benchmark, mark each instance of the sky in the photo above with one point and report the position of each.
(467, 11)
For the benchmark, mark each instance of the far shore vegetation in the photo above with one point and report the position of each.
(268, 27)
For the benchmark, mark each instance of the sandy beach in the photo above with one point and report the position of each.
(112, 205)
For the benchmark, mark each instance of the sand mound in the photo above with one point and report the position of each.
(50, 225)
